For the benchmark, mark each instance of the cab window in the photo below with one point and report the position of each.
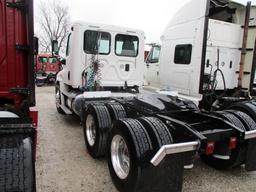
(96, 42)
(126, 45)
(183, 54)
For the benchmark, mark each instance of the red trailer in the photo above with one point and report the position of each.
(47, 67)
(18, 115)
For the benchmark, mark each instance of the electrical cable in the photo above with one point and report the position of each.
(211, 93)
(94, 75)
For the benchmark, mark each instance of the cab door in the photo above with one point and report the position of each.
(151, 68)
(97, 49)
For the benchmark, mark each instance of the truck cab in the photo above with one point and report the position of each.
(101, 58)
(201, 51)
(119, 53)
(47, 67)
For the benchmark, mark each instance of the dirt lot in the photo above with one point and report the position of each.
(64, 165)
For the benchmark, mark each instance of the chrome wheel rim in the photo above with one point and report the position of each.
(120, 157)
(90, 130)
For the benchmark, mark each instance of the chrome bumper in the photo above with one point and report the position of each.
(173, 149)
(250, 134)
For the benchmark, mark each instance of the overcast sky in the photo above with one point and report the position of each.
(152, 16)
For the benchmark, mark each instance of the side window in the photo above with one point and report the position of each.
(126, 45)
(68, 44)
(154, 55)
(97, 42)
(183, 54)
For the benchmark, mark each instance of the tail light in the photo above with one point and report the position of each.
(232, 143)
(34, 116)
(210, 148)
(33, 113)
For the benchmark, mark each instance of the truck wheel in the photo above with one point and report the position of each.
(129, 151)
(231, 118)
(17, 171)
(247, 107)
(96, 125)
(158, 132)
(58, 100)
(237, 155)
(116, 111)
(247, 121)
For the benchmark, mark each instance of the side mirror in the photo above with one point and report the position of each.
(147, 62)
(55, 47)
(36, 45)
(63, 61)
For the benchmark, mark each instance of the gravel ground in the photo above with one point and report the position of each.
(64, 165)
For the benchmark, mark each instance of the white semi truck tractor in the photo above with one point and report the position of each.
(147, 138)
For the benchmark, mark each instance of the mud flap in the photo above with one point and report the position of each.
(250, 161)
(168, 175)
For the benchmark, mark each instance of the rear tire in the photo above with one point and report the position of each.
(139, 151)
(116, 111)
(17, 171)
(247, 121)
(247, 107)
(96, 126)
(158, 132)
(231, 118)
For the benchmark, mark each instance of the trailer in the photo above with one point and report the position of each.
(148, 138)
(18, 115)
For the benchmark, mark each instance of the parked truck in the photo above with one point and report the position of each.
(47, 67)
(149, 138)
(227, 62)
(18, 115)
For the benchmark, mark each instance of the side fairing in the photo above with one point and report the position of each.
(187, 28)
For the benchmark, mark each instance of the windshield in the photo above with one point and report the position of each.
(154, 55)
(126, 45)
(43, 59)
(53, 60)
